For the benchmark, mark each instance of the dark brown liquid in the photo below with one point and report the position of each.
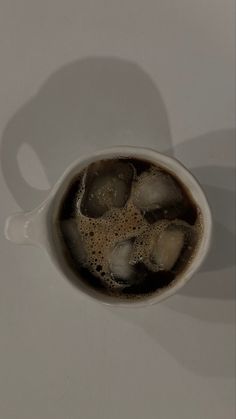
(145, 281)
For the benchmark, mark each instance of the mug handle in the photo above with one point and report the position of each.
(18, 228)
(28, 227)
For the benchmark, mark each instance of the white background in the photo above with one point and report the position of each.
(75, 76)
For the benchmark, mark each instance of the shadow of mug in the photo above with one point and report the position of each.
(89, 104)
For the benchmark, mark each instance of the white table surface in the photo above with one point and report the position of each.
(75, 76)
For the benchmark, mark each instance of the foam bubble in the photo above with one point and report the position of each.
(108, 231)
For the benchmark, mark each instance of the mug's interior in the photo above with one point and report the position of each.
(165, 162)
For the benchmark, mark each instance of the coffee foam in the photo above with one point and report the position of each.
(100, 236)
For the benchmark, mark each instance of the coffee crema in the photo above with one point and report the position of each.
(127, 227)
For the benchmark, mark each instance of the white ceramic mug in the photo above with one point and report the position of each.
(36, 227)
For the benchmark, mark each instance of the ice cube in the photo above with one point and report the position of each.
(145, 243)
(167, 248)
(107, 186)
(154, 190)
(120, 266)
(164, 245)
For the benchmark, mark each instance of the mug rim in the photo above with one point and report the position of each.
(180, 171)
